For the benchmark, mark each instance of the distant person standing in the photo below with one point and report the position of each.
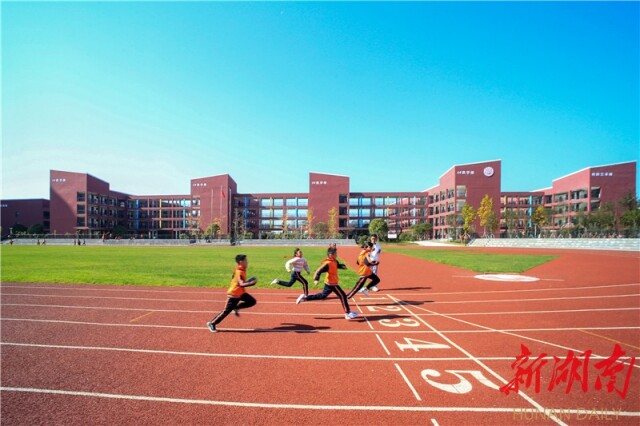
(374, 255)
(238, 298)
(295, 266)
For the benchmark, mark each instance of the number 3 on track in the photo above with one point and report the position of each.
(418, 345)
(400, 322)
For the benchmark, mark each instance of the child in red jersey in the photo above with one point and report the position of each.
(330, 266)
(238, 298)
(365, 271)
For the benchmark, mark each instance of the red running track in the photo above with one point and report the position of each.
(432, 348)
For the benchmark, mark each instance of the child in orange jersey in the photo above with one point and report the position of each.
(238, 298)
(330, 265)
(365, 271)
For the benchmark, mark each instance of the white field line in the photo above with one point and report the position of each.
(526, 397)
(248, 356)
(383, 345)
(300, 406)
(424, 332)
(408, 382)
(499, 331)
(288, 302)
(429, 313)
(222, 292)
(142, 299)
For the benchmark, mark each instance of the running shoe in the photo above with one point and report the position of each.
(374, 289)
(300, 299)
(350, 315)
(212, 328)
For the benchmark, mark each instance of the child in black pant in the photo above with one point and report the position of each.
(330, 266)
(238, 297)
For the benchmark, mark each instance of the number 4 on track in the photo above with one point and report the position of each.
(418, 345)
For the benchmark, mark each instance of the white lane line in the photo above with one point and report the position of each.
(520, 336)
(434, 422)
(535, 300)
(186, 327)
(383, 345)
(221, 291)
(559, 311)
(223, 298)
(408, 382)
(531, 401)
(509, 410)
(256, 356)
(318, 314)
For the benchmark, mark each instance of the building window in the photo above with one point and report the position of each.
(278, 202)
(80, 210)
(303, 202)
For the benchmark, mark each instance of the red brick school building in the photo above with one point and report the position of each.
(81, 204)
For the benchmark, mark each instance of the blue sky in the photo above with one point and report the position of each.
(150, 95)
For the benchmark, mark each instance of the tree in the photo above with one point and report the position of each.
(310, 218)
(212, 230)
(511, 220)
(120, 231)
(468, 215)
(36, 229)
(419, 231)
(333, 222)
(321, 229)
(630, 218)
(486, 213)
(379, 227)
(18, 229)
(237, 223)
(604, 219)
(539, 218)
(285, 224)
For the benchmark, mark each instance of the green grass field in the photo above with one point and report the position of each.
(206, 266)
(152, 266)
(477, 262)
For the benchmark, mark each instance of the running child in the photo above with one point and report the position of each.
(330, 266)
(295, 267)
(375, 256)
(365, 271)
(237, 296)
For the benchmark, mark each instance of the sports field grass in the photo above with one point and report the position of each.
(477, 262)
(152, 266)
(206, 266)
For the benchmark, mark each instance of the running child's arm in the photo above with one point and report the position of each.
(322, 269)
(289, 265)
(248, 283)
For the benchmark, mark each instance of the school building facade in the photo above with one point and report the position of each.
(83, 204)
